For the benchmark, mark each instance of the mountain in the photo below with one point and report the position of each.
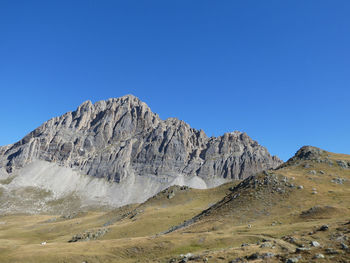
(118, 151)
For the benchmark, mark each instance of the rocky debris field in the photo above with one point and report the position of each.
(89, 235)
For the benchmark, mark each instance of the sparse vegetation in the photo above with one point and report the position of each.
(8, 180)
(266, 219)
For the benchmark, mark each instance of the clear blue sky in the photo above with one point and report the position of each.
(278, 70)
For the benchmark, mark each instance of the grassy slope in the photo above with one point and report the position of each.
(133, 230)
(130, 227)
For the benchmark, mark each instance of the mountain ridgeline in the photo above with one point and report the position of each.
(114, 138)
(121, 139)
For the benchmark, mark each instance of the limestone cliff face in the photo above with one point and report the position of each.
(119, 138)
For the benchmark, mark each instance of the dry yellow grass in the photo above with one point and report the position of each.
(133, 234)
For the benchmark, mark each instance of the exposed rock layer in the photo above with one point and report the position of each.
(120, 138)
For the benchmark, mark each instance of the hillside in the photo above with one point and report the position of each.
(289, 204)
(296, 213)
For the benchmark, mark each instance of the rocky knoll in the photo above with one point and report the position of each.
(122, 137)
(317, 155)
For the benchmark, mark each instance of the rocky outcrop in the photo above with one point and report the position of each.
(89, 235)
(119, 138)
(307, 153)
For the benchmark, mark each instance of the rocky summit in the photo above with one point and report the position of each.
(122, 141)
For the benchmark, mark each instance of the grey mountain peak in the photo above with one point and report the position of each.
(111, 138)
(121, 139)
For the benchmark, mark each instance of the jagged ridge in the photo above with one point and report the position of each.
(116, 137)
(120, 137)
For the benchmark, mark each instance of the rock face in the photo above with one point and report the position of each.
(122, 137)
